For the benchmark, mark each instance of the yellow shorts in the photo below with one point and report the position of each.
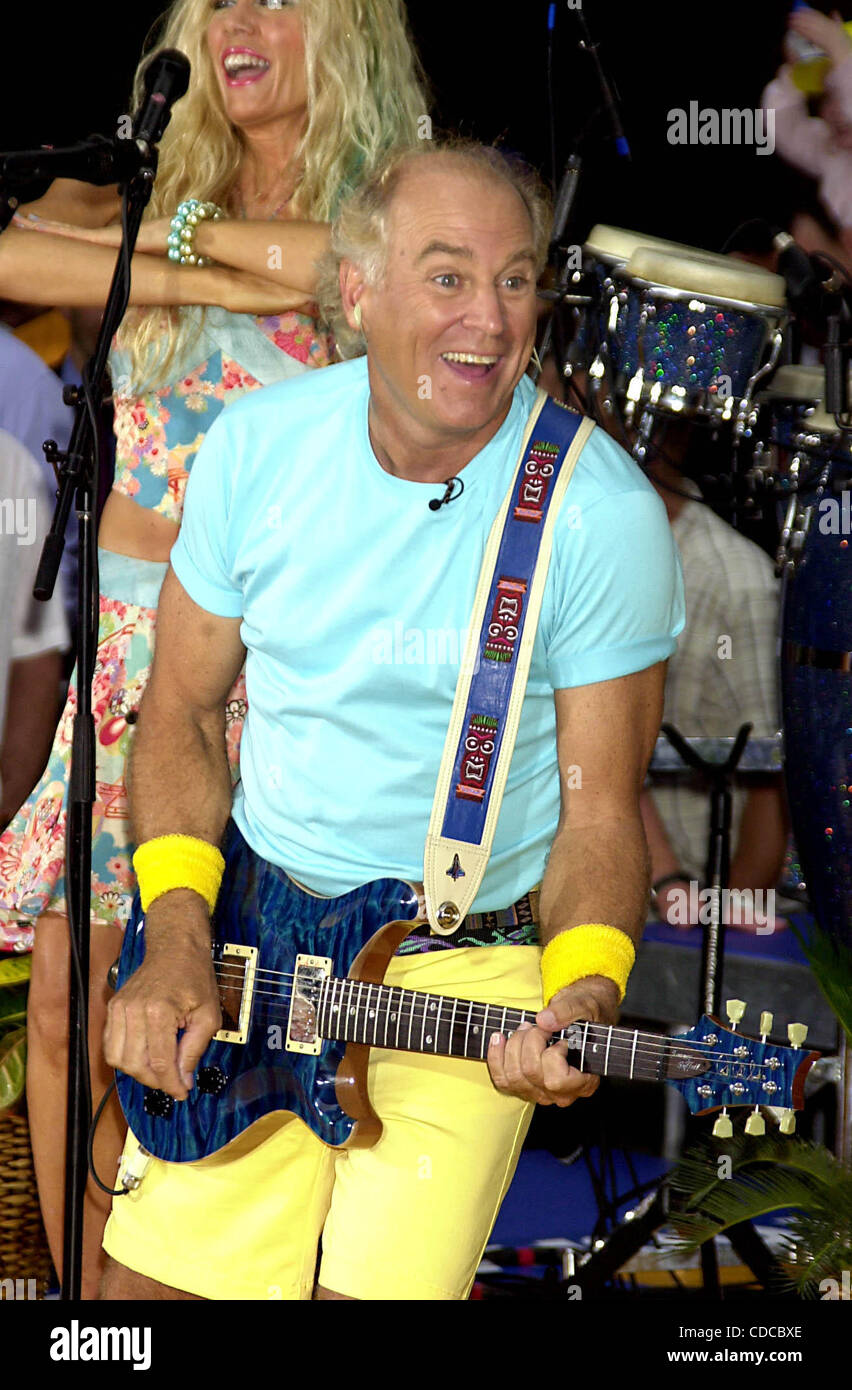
(406, 1219)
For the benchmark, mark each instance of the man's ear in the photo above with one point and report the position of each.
(352, 286)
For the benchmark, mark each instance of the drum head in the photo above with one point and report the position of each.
(617, 244)
(721, 277)
(806, 384)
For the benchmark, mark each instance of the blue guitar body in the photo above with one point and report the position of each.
(300, 985)
(238, 1083)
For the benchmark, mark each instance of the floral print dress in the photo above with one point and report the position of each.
(158, 435)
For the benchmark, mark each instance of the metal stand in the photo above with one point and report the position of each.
(78, 473)
(628, 1238)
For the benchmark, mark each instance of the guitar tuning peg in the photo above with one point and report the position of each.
(766, 1022)
(797, 1032)
(723, 1129)
(755, 1124)
(787, 1124)
(735, 1008)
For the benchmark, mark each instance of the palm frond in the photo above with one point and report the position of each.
(769, 1174)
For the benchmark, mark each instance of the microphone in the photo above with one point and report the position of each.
(449, 495)
(805, 284)
(97, 160)
(102, 159)
(166, 80)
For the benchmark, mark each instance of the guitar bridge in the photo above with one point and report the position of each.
(236, 991)
(302, 1034)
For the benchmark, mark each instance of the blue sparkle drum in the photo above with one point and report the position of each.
(697, 333)
(600, 327)
(815, 459)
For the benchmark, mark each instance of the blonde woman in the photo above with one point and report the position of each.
(287, 104)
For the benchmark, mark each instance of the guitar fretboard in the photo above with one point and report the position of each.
(413, 1021)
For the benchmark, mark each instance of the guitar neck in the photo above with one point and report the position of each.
(413, 1021)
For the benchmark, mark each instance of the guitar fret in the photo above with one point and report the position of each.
(423, 1023)
(633, 1051)
(503, 1023)
(398, 1014)
(467, 1030)
(583, 1048)
(375, 1009)
(358, 1010)
(485, 1028)
(438, 1023)
(450, 1048)
(333, 1005)
(410, 1018)
(606, 1058)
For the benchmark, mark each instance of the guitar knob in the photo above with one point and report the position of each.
(211, 1081)
(797, 1032)
(723, 1129)
(787, 1123)
(158, 1105)
(735, 1008)
(755, 1123)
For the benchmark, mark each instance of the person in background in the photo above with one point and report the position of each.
(722, 675)
(288, 105)
(33, 635)
(819, 146)
(32, 410)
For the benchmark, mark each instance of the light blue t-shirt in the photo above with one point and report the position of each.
(355, 600)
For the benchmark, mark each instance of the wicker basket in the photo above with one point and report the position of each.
(23, 1245)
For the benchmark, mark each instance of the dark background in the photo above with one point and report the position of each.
(488, 67)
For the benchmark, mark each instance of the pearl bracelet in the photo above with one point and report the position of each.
(184, 225)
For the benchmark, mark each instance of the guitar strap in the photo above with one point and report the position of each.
(495, 666)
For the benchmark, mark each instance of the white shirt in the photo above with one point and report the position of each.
(27, 628)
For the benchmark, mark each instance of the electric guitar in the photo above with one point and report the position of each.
(296, 1035)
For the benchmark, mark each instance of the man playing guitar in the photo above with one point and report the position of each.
(307, 535)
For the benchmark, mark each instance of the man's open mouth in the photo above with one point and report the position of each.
(471, 365)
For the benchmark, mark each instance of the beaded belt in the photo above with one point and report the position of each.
(509, 926)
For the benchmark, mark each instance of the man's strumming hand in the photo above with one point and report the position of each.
(173, 992)
(523, 1065)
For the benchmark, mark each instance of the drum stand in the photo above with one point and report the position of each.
(633, 1232)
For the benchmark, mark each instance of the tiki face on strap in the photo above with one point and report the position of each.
(493, 675)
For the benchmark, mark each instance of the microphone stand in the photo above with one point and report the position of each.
(78, 472)
(566, 194)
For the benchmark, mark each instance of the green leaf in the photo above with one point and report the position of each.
(15, 971)
(13, 1006)
(13, 1067)
(768, 1174)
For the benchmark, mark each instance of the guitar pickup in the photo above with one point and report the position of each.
(302, 1036)
(236, 991)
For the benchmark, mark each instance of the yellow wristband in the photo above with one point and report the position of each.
(178, 861)
(593, 948)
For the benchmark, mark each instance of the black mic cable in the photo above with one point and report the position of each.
(449, 495)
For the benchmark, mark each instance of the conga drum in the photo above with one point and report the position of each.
(816, 642)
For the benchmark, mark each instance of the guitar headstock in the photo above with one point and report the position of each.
(738, 1070)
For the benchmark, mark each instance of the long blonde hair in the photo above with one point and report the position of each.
(366, 92)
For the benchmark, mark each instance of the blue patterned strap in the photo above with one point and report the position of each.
(494, 670)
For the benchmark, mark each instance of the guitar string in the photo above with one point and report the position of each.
(238, 973)
(222, 967)
(654, 1040)
(292, 975)
(346, 983)
(620, 1046)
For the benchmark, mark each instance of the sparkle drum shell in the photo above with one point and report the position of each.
(696, 331)
(816, 640)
